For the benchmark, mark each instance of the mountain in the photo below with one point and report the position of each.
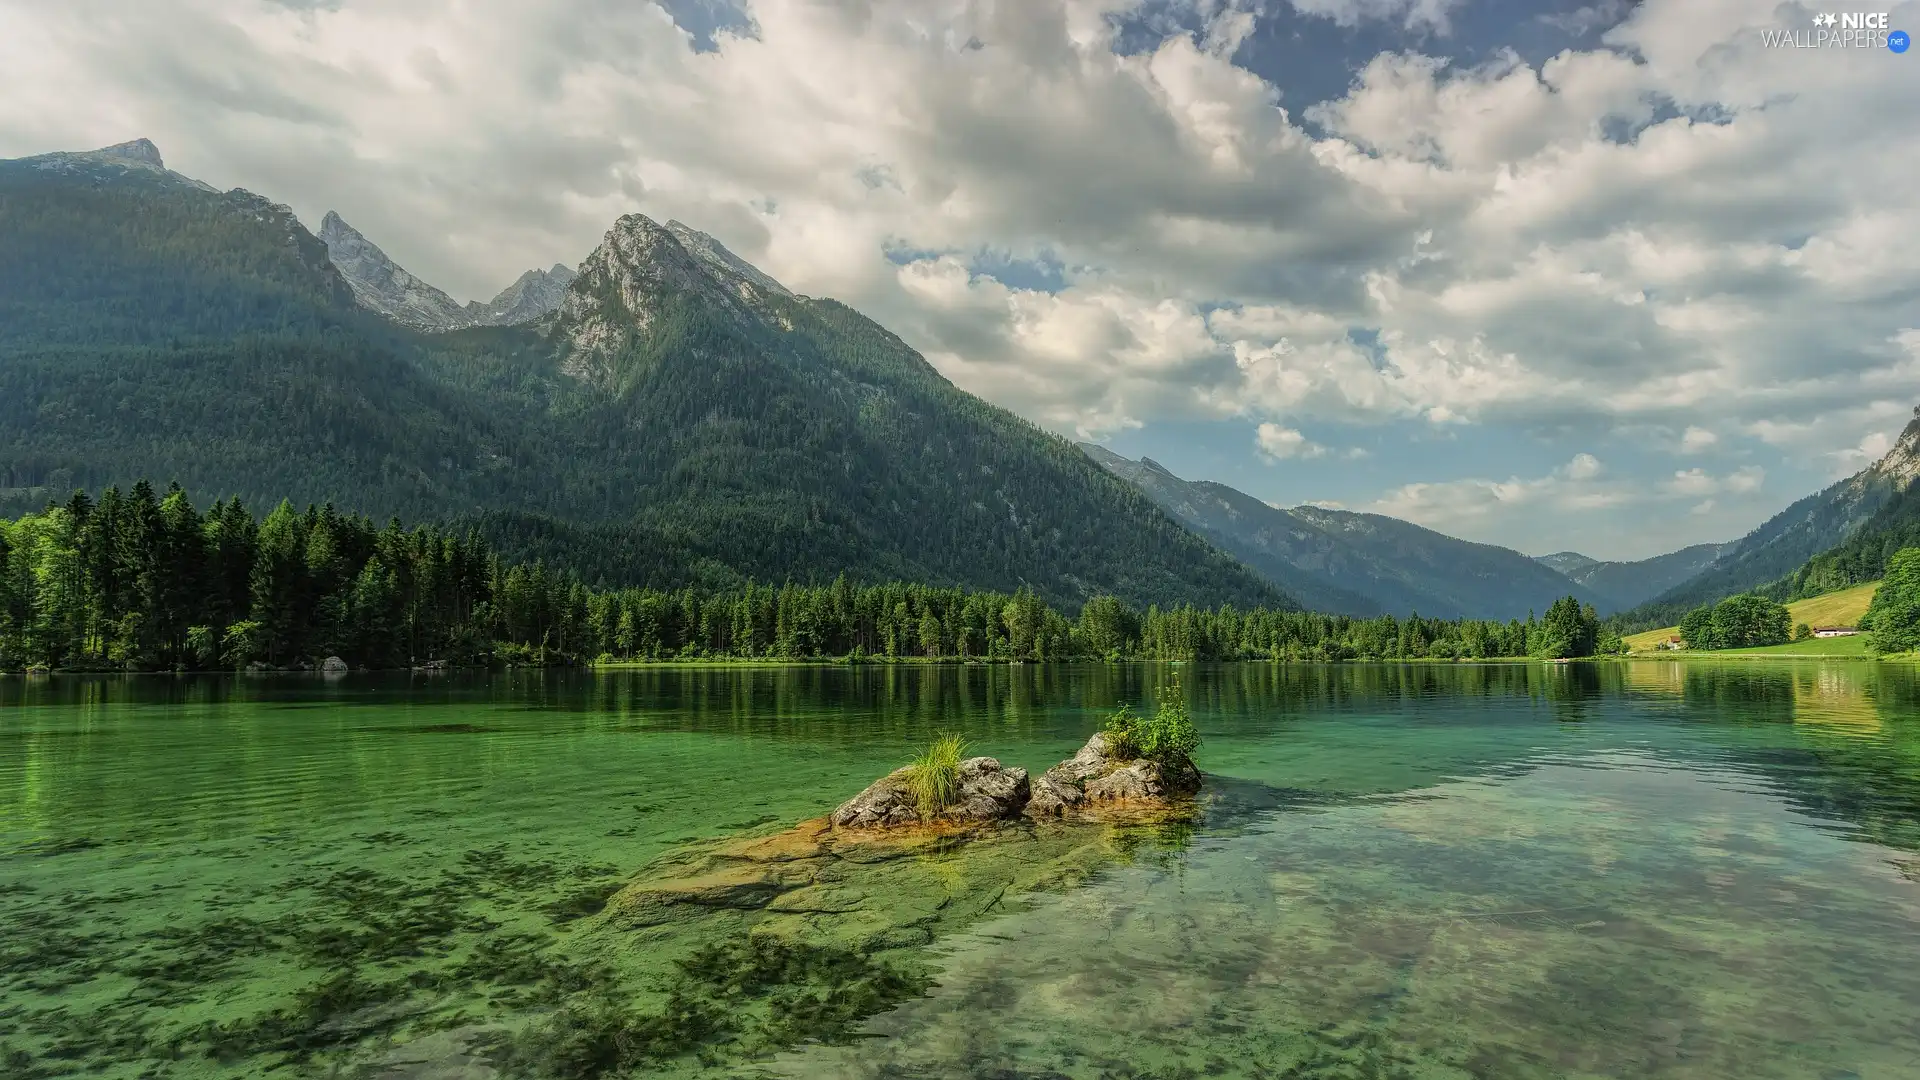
(1475, 580)
(1566, 562)
(724, 262)
(1250, 530)
(1787, 541)
(138, 159)
(679, 419)
(786, 430)
(1348, 563)
(535, 295)
(1626, 584)
(382, 285)
(110, 248)
(1863, 555)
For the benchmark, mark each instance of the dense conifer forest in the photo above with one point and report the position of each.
(145, 580)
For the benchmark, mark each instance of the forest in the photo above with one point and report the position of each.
(145, 580)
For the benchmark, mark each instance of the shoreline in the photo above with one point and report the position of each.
(921, 662)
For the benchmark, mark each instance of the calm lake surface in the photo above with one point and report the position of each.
(1666, 869)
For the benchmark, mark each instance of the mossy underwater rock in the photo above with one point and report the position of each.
(1095, 779)
(855, 888)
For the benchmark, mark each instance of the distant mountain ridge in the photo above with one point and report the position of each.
(1566, 562)
(679, 418)
(1629, 583)
(1350, 563)
(382, 285)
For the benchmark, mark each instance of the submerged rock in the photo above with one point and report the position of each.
(1094, 775)
(988, 791)
(742, 886)
(333, 665)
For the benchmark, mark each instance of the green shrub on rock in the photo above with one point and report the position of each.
(1169, 735)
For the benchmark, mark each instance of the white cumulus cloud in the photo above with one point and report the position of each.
(1278, 442)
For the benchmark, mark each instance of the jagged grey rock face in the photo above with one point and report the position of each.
(137, 151)
(1901, 465)
(535, 295)
(713, 253)
(384, 286)
(638, 265)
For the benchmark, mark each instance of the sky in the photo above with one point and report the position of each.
(1599, 276)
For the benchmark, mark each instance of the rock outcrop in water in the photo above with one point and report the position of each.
(1091, 780)
(1094, 777)
(987, 791)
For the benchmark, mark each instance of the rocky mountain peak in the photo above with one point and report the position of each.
(138, 151)
(384, 286)
(625, 281)
(1902, 463)
(534, 295)
(715, 254)
(137, 159)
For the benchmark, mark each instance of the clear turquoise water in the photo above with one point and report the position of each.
(1645, 869)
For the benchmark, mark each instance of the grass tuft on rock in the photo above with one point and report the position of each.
(935, 776)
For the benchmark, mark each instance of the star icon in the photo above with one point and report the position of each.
(1829, 17)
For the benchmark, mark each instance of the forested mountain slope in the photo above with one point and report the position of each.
(681, 419)
(1350, 563)
(1863, 556)
(1793, 537)
(1253, 532)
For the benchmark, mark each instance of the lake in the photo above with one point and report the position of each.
(1639, 869)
